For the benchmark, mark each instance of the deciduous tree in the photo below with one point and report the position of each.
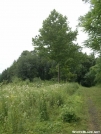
(55, 38)
(91, 22)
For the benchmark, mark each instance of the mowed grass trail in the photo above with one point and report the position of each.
(92, 99)
(47, 108)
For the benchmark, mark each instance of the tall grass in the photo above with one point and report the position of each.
(27, 109)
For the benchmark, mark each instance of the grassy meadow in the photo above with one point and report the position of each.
(45, 107)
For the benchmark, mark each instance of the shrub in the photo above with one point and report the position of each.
(68, 114)
(71, 111)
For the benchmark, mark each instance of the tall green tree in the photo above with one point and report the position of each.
(84, 76)
(91, 22)
(27, 65)
(55, 38)
(97, 68)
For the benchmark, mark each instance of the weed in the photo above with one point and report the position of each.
(72, 88)
(24, 108)
(43, 112)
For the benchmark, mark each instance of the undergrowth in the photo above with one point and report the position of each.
(51, 108)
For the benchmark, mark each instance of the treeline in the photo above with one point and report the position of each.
(30, 65)
(56, 56)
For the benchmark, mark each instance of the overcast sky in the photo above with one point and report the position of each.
(20, 20)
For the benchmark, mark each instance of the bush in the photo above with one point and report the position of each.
(68, 114)
(71, 111)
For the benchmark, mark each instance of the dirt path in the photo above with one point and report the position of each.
(93, 115)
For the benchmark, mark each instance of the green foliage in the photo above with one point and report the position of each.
(55, 37)
(26, 68)
(84, 76)
(55, 40)
(69, 111)
(31, 67)
(92, 102)
(71, 88)
(97, 69)
(94, 75)
(55, 53)
(25, 108)
(91, 24)
(56, 99)
(89, 79)
(68, 114)
(16, 80)
(43, 112)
